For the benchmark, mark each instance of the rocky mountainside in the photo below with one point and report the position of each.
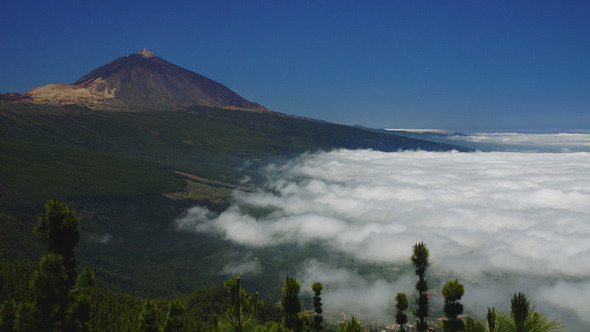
(140, 81)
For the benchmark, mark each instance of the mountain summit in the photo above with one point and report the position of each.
(145, 53)
(140, 81)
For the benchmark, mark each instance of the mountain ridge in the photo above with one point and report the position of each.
(139, 81)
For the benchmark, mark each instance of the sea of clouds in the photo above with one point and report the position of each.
(501, 222)
(577, 141)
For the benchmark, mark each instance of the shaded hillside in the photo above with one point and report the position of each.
(208, 142)
(211, 139)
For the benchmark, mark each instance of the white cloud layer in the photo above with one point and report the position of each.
(521, 214)
(561, 142)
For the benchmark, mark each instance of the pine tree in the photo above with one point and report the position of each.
(317, 306)
(56, 275)
(25, 320)
(50, 289)
(173, 321)
(491, 318)
(79, 314)
(86, 279)
(452, 291)
(401, 305)
(58, 228)
(474, 325)
(420, 262)
(351, 325)
(523, 318)
(147, 318)
(7, 315)
(241, 314)
(291, 305)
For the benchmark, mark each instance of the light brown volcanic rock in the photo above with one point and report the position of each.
(140, 81)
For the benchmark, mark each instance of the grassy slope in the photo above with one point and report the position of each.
(30, 173)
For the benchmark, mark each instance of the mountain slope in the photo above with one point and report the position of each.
(206, 141)
(140, 81)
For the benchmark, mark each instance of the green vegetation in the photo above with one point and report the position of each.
(43, 299)
(30, 172)
(351, 325)
(317, 306)
(207, 141)
(241, 315)
(71, 151)
(491, 319)
(452, 291)
(420, 261)
(474, 325)
(17, 239)
(291, 305)
(147, 318)
(523, 318)
(58, 228)
(173, 320)
(401, 305)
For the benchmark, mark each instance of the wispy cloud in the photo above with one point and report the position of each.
(522, 214)
(100, 238)
(346, 291)
(440, 131)
(251, 266)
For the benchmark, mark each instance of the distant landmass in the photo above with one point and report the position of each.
(140, 81)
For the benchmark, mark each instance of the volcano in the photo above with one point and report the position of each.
(136, 82)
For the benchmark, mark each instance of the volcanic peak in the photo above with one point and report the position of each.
(145, 53)
(140, 81)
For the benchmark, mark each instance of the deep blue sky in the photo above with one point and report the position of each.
(396, 64)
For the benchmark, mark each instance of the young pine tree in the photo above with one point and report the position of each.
(86, 280)
(291, 305)
(25, 319)
(54, 280)
(420, 262)
(7, 315)
(58, 228)
(173, 321)
(452, 291)
(317, 306)
(241, 315)
(474, 325)
(351, 325)
(523, 318)
(49, 286)
(78, 316)
(401, 305)
(491, 318)
(147, 318)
